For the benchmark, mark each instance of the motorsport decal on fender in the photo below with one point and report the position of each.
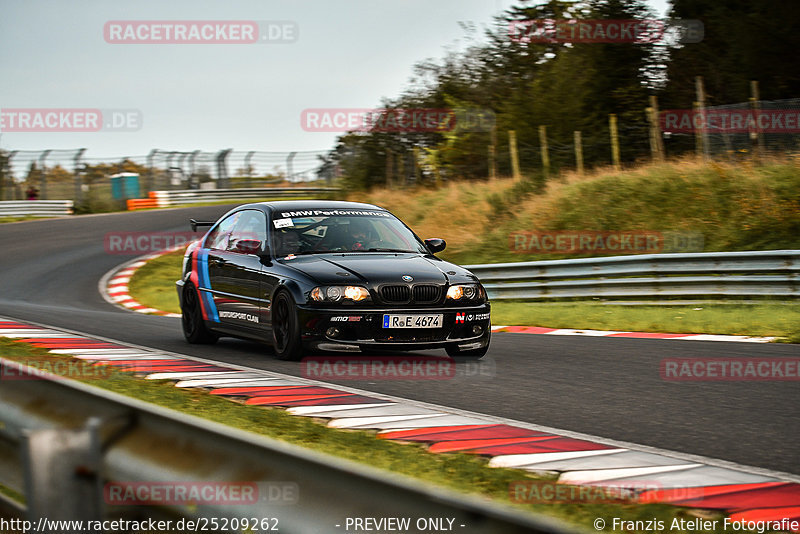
(204, 286)
(238, 315)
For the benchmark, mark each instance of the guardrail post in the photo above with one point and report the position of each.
(62, 481)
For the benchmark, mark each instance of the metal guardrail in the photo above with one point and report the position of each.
(744, 274)
(191, 196)
(35, 208)
(65, 440)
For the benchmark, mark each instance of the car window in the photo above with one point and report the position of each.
(252, 224)
(342, 233)
(218, 237)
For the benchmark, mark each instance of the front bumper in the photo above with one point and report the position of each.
(360, 328)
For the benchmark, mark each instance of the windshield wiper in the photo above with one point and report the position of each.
(387, 250)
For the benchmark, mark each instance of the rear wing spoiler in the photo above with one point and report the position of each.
(194, 224)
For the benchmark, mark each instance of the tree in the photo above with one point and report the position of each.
(743, 40)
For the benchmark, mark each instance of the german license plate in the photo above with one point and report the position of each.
(413, 321)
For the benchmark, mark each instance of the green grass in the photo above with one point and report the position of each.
(458, 471)
(20, 219)
(742, 206)
(11, 494)
(757, 319)
(153, 285)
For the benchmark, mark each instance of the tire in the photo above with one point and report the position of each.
(285, 328)
(473, 354)
(194, 329)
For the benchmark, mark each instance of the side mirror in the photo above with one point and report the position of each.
(248, 246)
(435, 244)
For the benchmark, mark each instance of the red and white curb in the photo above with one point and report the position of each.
(113, 285)
(622, 333)
(649, 474)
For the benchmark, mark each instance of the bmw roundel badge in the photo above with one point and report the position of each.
(407, 278)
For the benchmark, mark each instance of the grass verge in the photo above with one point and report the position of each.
(458, 471)
(734, 206)
(757, 319)
(11, 494)
(21, 219)
(153, 285)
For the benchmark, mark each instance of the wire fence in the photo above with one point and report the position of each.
(89, 181)
(732, 131)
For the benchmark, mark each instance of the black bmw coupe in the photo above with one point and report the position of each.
(327, 275)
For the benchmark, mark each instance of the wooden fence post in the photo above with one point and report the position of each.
(612, 126)
(578, 150)
(512, 147)
(756, 140)
(701, 107)
(544, 151)
(656, 143)
(493, 154)
(389, 165)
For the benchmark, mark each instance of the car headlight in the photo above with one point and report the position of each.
(356, 293)
(338, 293)
(465, 292)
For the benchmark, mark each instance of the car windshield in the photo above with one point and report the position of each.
(320, 233)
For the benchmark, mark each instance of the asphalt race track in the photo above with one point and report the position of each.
(609, 387)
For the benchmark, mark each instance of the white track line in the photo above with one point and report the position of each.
(721, 466)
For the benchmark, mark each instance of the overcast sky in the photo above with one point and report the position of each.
(346, 54)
